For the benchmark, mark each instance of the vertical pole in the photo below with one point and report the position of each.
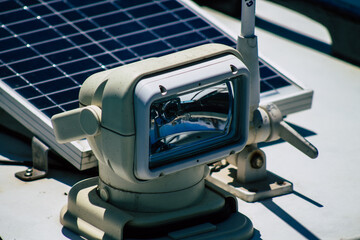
(248, 48)
(247, 18)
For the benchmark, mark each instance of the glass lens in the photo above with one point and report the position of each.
(186, 123)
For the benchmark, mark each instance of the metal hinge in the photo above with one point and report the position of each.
(40, 162)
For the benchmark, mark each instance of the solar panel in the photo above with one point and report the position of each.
(48, 48)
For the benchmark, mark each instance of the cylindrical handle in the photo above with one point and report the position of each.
(77, 124)
(291, 136)
(270, 126)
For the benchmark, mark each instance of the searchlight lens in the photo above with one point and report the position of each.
(187, 123)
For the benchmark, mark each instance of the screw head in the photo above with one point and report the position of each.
(104, 194)
(257, 160)
(280, 182)
(28, 172)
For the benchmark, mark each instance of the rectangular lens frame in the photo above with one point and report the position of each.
(182, 81)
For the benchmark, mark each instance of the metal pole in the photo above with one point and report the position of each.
(247, 18)
(248, 48)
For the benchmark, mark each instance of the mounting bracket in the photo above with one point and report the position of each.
(268, 187)
(40, 162)
(249, 181)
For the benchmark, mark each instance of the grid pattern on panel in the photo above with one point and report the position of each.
(48, 48)
(271, 80)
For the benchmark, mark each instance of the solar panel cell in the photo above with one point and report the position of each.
(79, 39)
(127, 4)
(224, 40)
(79, 3)
(78, 66)
(10, 43)
(19, 28)
(111, 44)
(8, 5)
(52, 46)
(28, 65)
(53, 20)
(266, 72)
(80, 77)
(92, 49)
(124, 54)
(55, 110)
(59, 6)
(55, 85)
(150, 48)
(17, 54)
(264, 87)
(29, 2)
(171, 5)
(210, 33)
(137, 38)
(146, 10)
(41, 102)
(99, 9)
(85, 25)
(184, 14)
(40, 36)
(172, 29)
(41, 10)
(159, 20)
(65, 56)
(42, 75)
(198, 23)
(28, 92)
(106, 59)
(64, 96)
(4, 33)
(124, 28)
(72, 15)
(5, 72)
(15, 82)
(66, 29)
(277, 82)
(185, 39)
(98, 35)
(110, 19)
(69, 106)
(15, 16)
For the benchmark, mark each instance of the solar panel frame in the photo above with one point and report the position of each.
(52, 44)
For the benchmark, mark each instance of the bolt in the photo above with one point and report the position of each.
(280, 182)
(234, 69)
(28, 172)
(104, 194)
(257, 160)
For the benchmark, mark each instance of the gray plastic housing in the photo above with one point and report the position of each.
(109, 98)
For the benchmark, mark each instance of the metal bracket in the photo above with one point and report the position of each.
(250, 180)
(40, 162)
(271, 186)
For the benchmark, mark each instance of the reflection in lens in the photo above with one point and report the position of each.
(188, 121)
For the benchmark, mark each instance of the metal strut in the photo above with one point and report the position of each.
(40, 162)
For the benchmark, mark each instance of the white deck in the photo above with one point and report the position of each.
(325, 204)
